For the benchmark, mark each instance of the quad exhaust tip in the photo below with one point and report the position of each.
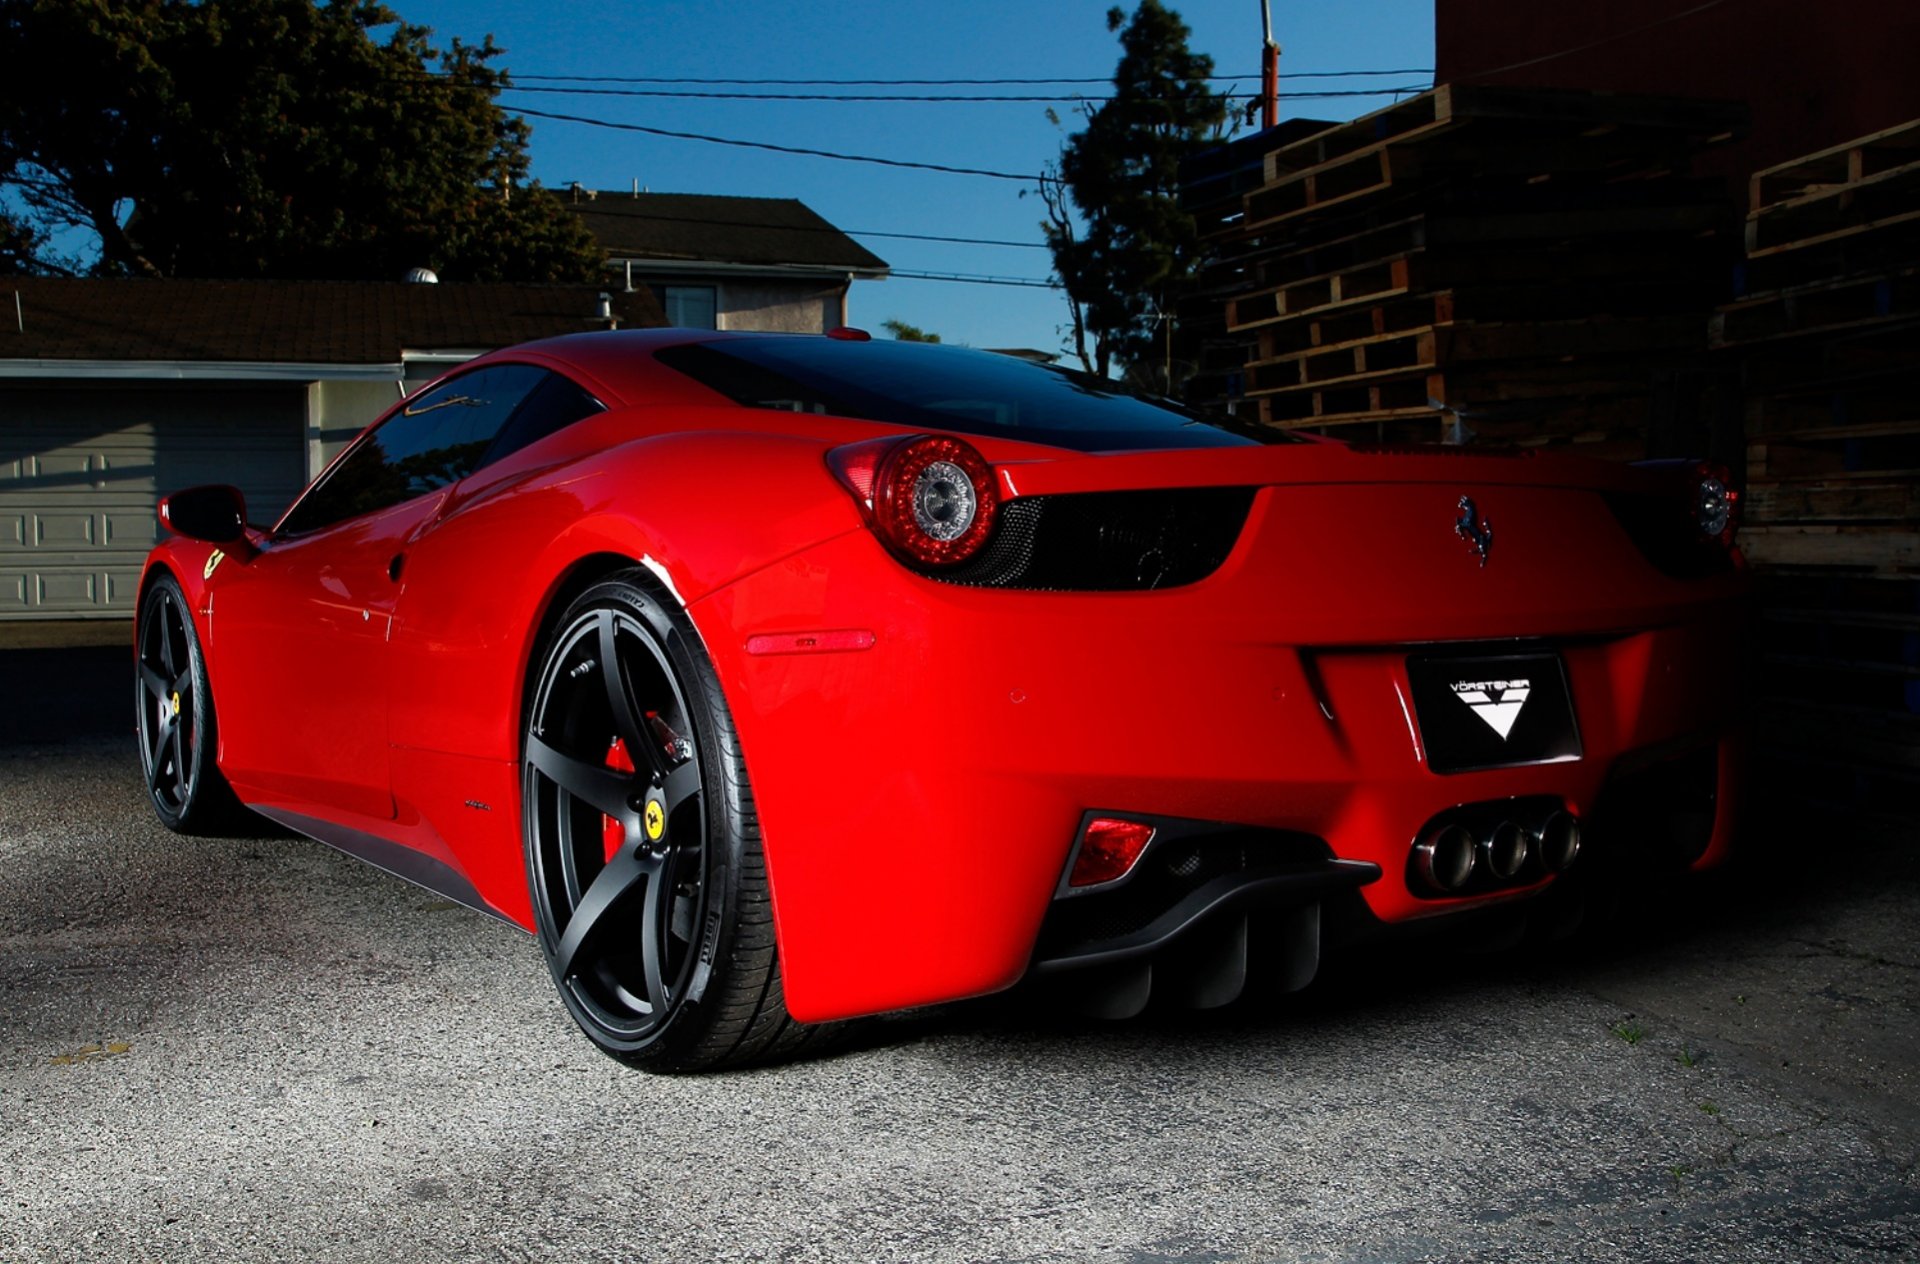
(1558, 842)
(1449, 856)
(1504, 851)
(1445, 857)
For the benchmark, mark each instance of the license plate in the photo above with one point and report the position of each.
(1493, 710)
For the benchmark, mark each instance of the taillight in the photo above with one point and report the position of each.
(930, 498)
(1716, 504)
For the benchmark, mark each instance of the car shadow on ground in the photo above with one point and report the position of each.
(1770, 893)
(1790, 868)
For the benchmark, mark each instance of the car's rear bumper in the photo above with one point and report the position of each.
(920, 796)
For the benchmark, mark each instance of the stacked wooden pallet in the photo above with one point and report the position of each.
(1525, 260)
(1213, 189)
(1827, 335)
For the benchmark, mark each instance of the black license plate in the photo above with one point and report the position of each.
(1493, 710)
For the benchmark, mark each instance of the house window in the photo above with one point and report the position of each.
(690, 306)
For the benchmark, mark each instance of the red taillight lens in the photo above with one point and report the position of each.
(1716, 504)
(1109, 847)
(931, 498)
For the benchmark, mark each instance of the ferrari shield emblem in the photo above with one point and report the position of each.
(213, 560)
(655, 819)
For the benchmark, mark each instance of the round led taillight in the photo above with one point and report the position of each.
(934, 500)
(1715, 510)
(1716, 506)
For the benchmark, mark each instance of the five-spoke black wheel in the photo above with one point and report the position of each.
(643, 851)
(175, 714)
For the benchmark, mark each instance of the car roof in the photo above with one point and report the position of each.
(623, 360)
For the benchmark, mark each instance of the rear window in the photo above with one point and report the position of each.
(925, 387)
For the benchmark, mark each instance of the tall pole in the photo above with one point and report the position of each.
(1269, 70)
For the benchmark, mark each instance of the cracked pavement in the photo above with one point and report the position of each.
(252, 1048)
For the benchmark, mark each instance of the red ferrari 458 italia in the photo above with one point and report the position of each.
(771, 680)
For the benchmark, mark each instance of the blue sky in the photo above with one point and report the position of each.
(901, 39)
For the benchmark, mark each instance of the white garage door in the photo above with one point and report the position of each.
(82, 469)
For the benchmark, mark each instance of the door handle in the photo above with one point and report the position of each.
(395, 566)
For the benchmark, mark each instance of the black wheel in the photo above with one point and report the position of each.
(175, 710)
(643, 850)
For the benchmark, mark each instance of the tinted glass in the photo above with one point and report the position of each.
(950, 388)
(438, 438)
(555, 404)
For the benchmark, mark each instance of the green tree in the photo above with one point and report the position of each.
(1123, 249)
(903, 332)
(270, 138)
(19, 246)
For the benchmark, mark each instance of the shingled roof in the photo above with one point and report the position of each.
(776, 233)
(299, 322)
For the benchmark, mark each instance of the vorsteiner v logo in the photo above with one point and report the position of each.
(1498, 702)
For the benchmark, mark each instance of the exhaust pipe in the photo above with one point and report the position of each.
(1505, 849)
(1558, 842)
(1444, 857)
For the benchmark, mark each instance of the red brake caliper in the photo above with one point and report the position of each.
(611, 831)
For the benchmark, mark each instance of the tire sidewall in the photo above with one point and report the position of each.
(674, 636)
(193, 804)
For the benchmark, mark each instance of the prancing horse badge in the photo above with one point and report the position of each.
(1475, 530)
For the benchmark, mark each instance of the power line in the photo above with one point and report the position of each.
(940, 98)
(958, 241)
(779, 149)
(923, 83)
(610, 200)
(972, 279)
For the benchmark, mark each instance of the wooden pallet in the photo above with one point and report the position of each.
(1869, 356)
(1893, 403)
(1656, 216)
(1435, 288)
(1501, 283)
(1604, 438)
(1449, 106)
(1411, 337)
(1821, 309)
(1370, 281)
(1882, 448)
(1488, 136)
(1873, 202)
(1507, 161)
(1833, 545)
(1891, 498)
(1833, 169)
(1877, 248)
(1548, 350)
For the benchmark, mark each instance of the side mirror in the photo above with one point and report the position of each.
(215, 513)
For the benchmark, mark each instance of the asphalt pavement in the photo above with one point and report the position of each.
(253, 1048)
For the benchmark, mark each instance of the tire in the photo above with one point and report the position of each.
(174, 717)
(649, 889)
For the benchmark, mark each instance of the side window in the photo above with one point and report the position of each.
(436, 438)
(554, 405)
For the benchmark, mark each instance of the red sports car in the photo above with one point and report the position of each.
(773, 679)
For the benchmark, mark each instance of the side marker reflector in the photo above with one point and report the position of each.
(811, 642)
(1108, 850)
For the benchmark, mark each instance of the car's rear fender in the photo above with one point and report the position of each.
(484, 584)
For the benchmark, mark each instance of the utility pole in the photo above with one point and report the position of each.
(1269, 70)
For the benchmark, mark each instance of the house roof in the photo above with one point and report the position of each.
(781, 234)
(302, 322)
